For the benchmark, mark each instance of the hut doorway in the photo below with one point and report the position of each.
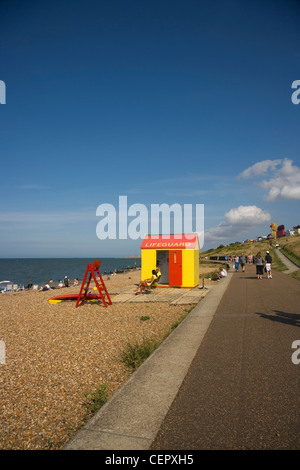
(170, 264)
(162, 260)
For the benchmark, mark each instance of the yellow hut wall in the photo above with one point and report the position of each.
(190, 266)
(148, 261)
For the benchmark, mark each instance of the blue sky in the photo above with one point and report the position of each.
(185, 102)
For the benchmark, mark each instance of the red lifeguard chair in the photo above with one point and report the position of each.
(92, 272)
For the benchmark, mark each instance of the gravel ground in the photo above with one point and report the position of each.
(56, 354)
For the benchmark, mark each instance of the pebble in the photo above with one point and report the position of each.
(56, 355)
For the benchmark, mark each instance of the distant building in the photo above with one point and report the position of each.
(280, 231)
(296, 229)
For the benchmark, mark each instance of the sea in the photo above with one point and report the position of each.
(39, 270)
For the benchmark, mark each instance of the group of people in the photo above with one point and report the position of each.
(239, 260)
(248, 258)
(65, 283)
(260, 262)
(150, 282)
(263, 263)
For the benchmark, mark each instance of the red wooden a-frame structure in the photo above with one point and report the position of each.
(93, 271)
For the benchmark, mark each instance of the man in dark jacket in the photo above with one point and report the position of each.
(268, 259)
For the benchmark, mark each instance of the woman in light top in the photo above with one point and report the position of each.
(259, 261)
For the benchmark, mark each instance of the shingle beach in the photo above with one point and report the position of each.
(57, 354)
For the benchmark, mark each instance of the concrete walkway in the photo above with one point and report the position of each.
(173, 296)
(132, 417)
(224, 379)
(291, 267)
(242, 389)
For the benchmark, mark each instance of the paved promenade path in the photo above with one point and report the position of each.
(291, 267)
(242, 390)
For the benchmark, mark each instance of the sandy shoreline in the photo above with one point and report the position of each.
(56, 354)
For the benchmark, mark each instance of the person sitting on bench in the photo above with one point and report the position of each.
(144, 285)
(158, 274)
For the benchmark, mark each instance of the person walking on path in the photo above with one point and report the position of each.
(268, 264)
(236, 263)
(259, 261)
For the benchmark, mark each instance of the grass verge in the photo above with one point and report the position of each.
(292, 256)
(95, 400)
(295, 275)
(136, 353)
(277, 264)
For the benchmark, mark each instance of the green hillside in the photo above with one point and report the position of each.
(249, 248)
(290, 246)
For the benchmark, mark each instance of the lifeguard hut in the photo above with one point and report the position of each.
(177, 257)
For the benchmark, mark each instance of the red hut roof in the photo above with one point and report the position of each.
(171, 242)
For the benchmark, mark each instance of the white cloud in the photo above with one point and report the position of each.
(236, 221)
(246, 215)
(259, 168)
(283, 181)
(285, 184)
